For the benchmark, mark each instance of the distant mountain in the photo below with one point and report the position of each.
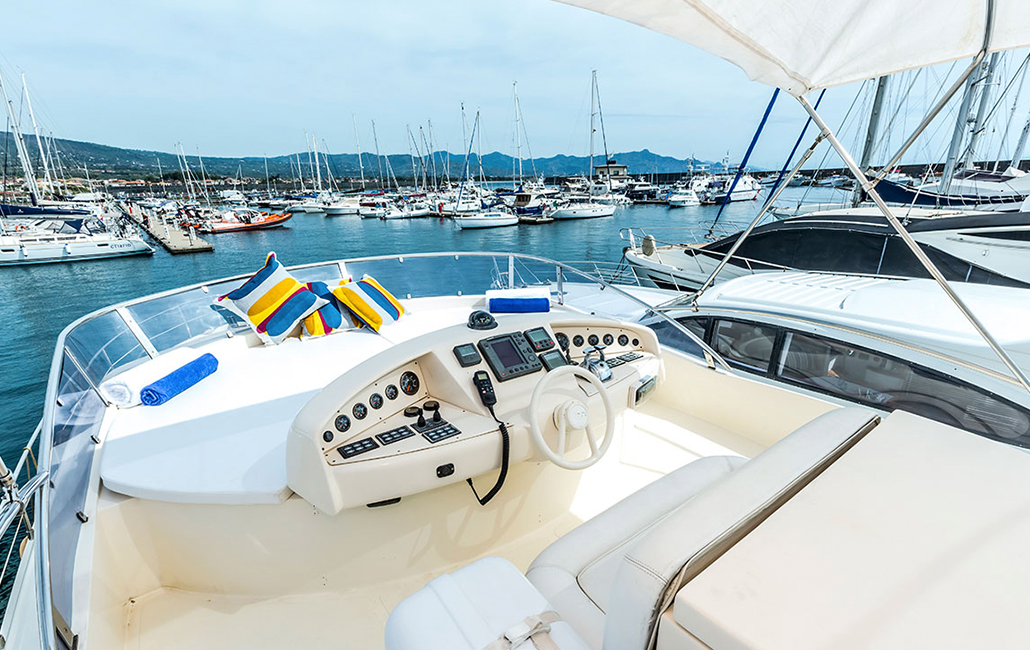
(107, 162)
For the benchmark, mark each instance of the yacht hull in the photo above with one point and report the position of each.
(71, 251)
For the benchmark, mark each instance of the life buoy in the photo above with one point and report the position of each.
(20, 228)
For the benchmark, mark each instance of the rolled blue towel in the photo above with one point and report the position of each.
(178, 380)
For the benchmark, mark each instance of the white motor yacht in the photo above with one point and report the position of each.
(582, 209)
(572, 443)
(573, 471)
(348, 205)
(682, 198)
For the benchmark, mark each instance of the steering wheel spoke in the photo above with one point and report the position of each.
(591, 439)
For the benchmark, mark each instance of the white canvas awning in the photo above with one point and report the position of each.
(802, 45)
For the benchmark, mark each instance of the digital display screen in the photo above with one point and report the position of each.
(506, 353)
(538, 336)
(553, 359)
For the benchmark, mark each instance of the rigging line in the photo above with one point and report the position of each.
(826, 154)
(747, 156)
(801, 136)
(884, 138)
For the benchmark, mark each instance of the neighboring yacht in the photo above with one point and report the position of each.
(581, 208)
(67, 240)
(985, 248)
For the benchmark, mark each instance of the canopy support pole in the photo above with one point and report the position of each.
(747, 231)
(939, 106)
(870, 189)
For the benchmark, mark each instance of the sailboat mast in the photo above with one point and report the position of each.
(518, 134)
(871, 133)
(1012, 114)
(1017, 153)
(982, 110)
(432, 153)
(604, 138)
(318, 164)
(960, 130)
(19, 144)
(379, 159)
(411, 154)
(268, 183)
(39, 143)
(357, 145)
(593, 110)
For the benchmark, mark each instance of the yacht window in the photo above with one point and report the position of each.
(744, 344)
(697, 325)
(890, 384)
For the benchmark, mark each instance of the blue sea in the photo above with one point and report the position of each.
(37, 302)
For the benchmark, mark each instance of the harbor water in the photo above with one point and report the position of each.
(37, 302)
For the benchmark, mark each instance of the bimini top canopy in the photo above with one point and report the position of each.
(803, 45)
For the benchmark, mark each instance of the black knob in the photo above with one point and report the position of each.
(412, 412)
(421, 420)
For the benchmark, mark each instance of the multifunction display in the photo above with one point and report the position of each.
(509, 356)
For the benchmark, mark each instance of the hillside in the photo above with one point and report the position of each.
(105, 162)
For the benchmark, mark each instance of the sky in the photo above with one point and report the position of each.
(252, 78)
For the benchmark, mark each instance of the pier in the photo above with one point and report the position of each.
(171, 236)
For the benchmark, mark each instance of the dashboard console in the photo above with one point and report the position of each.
(411, 419)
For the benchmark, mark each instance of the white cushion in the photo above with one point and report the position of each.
(716, 518)
(470, 609)
(577, 572)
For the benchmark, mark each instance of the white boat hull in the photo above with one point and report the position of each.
(50, 250)
(583, 212)
(487, 220)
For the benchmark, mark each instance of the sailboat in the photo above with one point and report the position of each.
(595, 204)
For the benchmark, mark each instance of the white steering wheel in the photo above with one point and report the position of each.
(571, 413)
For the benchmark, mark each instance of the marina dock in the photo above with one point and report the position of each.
(171, 236)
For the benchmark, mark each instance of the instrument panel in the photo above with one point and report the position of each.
(422, 423)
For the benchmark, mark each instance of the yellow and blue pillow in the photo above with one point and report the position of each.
(272, 301)
(369, 302)
(330, 317)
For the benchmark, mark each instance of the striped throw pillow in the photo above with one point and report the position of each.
(272, 301)
(330, 317)
(369, 302)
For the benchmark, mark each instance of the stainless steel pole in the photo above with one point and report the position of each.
(920, 254)
(747, 231)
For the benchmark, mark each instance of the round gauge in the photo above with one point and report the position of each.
(391, 392)
(623, 339)
(375, 400)
(343, 422)
(593, 340)
(563, 339)
(608, 339)
(327, 436)
(360, 411)
(409, 383)
(636, 341)
(577, 340)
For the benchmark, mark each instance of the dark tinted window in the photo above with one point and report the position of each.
(744, 344)
(887, 383)
(696, 325)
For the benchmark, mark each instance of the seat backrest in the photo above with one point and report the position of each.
(707, 525)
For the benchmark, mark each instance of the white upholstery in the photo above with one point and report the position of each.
(576, 573)
(706, 525)
(470, 609)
